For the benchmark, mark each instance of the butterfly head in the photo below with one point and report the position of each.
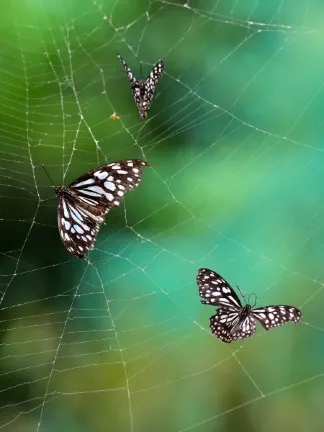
(254, 300)
(60, 190)
(245, 311)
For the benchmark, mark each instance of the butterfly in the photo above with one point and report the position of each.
(143, 90)
(85, 202)
(233, 321)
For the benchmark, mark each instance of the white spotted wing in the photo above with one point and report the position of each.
(216, 291)
(85, 202)
(228, 325)
(233, 321)
(276, 315)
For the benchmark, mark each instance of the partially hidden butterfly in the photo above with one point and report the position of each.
(85, 202)
(233, 321)
(143, 90)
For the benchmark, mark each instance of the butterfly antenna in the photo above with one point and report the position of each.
(241, 292)
(48, 176)
(141, 69)
(255, 298)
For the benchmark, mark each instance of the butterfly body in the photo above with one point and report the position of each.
(233, 321)
(242, 316)
(72, 196)
(141, 98)
(143, 90)
(85, 202)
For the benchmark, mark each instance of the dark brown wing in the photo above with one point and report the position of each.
(78, 229)
(85, 202)
(104, 187)
(216, 291)
(276, 315)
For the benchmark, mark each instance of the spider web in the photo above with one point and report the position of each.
(235, 140)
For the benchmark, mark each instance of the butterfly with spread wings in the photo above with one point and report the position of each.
(85, 202)
(143, 90)
(233, 321)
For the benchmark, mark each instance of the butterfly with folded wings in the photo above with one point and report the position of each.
(233, 321)
(85, 202)
(143, 90)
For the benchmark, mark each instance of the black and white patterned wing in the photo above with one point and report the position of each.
(85, 202)
(152, 80)
(128, 70)
(216, 291)
(274, 316)
(138, 87)
(104, 187)
(228, 327)
(77, 227)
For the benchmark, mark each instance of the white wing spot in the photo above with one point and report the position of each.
(85, 182)
(109, 185)
(65, 210)
(101, 174)
(78, 229)
(96, 189)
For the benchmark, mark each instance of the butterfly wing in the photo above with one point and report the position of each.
(152, 80)
(85, 202)
(137, 86)
(143, 91)
(128, 70)
(216, 291)
(228, 326)
(78, 229)
(104, 187)
(274, 316)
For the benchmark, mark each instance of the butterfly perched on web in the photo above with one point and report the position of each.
(233, 321)
(85, 202)
(143, 90)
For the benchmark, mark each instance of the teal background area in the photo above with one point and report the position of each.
(235, 142)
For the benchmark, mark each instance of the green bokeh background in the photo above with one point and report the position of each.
(235, 140)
